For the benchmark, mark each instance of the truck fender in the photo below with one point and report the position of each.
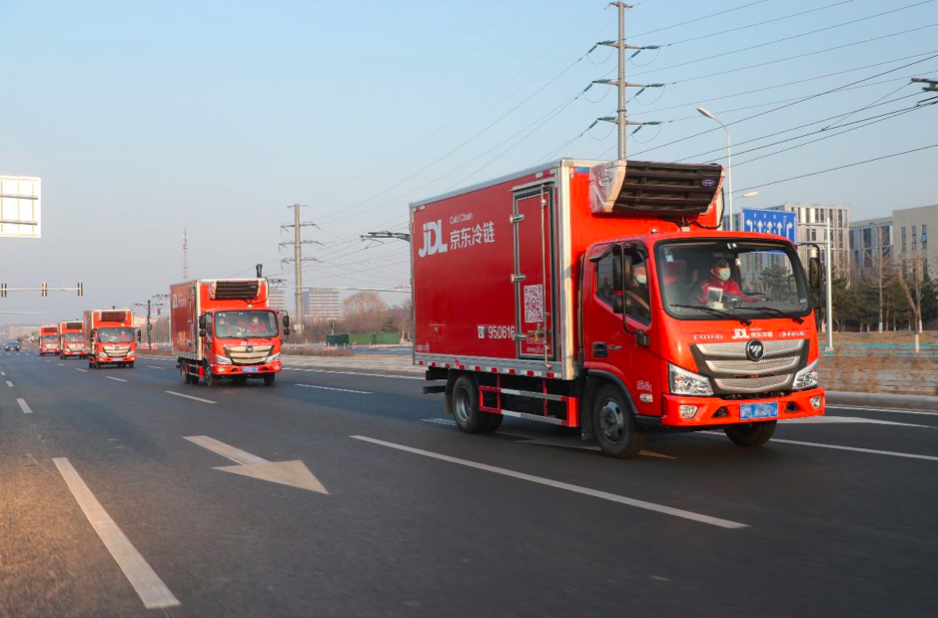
(595, 379)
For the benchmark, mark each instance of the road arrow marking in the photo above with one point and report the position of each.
(10, 384)
(293, 473)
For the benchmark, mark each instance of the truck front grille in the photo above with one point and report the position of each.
(116, 352)
(241, 355)
(731, 372)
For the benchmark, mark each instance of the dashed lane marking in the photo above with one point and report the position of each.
(190, 397)
(24, 406)
(586, 491)
(10, 384)
(81, 370)
(155, 367)
(115, 379)
(151, 589)
(330, 388)
(838, 447)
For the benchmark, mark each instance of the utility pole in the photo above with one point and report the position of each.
(298, 258)
(185, 254)
(620, 118)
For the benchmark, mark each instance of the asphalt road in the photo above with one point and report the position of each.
(107, 509)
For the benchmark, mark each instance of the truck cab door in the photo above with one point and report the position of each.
(613, 315)
(535, 311)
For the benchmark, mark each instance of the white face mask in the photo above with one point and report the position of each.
(641, 279)
(723, 274)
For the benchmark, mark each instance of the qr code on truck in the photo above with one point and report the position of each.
(533, 303)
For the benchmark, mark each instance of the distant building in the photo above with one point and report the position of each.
(811, 218)
(871, 243)
(911, 226)
(324, 304)
(277, 299)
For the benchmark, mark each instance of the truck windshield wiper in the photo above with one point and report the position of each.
(716, 312)
(778, 312)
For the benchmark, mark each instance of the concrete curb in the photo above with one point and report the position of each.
(911, 402)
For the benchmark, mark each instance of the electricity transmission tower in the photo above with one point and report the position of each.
(298, 258)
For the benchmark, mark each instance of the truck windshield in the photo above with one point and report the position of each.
(50, 338)
(116, 335)
(245, 324)
(73, 337)
(731, 280)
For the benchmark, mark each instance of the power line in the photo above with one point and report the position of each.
(698, 19)
(834, 169)
(787, 38)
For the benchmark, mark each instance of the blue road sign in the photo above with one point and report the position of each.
(778, 222)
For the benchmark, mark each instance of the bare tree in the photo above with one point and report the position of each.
(364, 312)
(913, 292)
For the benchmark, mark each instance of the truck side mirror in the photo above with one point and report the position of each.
(814, 282)
(202, 322)
(286, 321)
(202, 332)
(139, 335)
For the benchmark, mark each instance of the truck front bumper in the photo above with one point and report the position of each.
(247, 370)
(717, 411)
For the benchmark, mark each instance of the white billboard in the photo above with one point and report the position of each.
(20, 207)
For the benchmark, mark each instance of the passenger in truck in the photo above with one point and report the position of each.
(255, 326)
(721, 278)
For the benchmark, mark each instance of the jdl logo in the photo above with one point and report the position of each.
(432, 238)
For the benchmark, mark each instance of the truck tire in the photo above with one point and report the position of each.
(183, 374)
(614, 424)
(269, 379)
(210, 378)
(131, 364)
(751, 434)
(465, 406)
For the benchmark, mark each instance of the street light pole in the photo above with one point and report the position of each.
(729, 160)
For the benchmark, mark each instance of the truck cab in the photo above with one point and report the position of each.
(242, 343)
(112, 339)
(48, 340)
(72, 340)
(711, 330)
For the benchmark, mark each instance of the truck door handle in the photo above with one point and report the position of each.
(599, 350)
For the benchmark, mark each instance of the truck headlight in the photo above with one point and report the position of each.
(273, 358)
(685, 382)
(806, 378)
(222, 360)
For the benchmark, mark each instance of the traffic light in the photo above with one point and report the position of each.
(81, 289)
(45, 288)
(3, 290)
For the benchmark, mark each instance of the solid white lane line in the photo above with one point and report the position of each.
(10, 384)
(151, 589)
(830, 419)
(586, 491)
(355, 373)
(330, 388)
(190, 397)
(857, 449)
(115, 379)
(81, 370)
(24, 406)
(887, 410)
(220, 448)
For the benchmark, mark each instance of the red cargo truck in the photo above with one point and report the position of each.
(604, 296)
(48, 340)
(72, 340)
(110, 338)
(223, 328)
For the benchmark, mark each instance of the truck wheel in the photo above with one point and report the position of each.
(210, 378)
(751, 434)
(465, 406)
(131, 364)
(614, 424)
(183, 374)
(269, 379)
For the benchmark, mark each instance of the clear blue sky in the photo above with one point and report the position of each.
(144, 118)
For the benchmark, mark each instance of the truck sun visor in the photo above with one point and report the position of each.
(641, 187)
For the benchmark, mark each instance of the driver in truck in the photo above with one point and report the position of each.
(721, 278)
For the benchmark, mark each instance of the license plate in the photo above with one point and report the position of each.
(250, 370)
(749, 411)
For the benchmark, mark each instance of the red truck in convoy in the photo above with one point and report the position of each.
(223, 328)
(48, 340)
(71, 340)
(111, 339)
(604, 296)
